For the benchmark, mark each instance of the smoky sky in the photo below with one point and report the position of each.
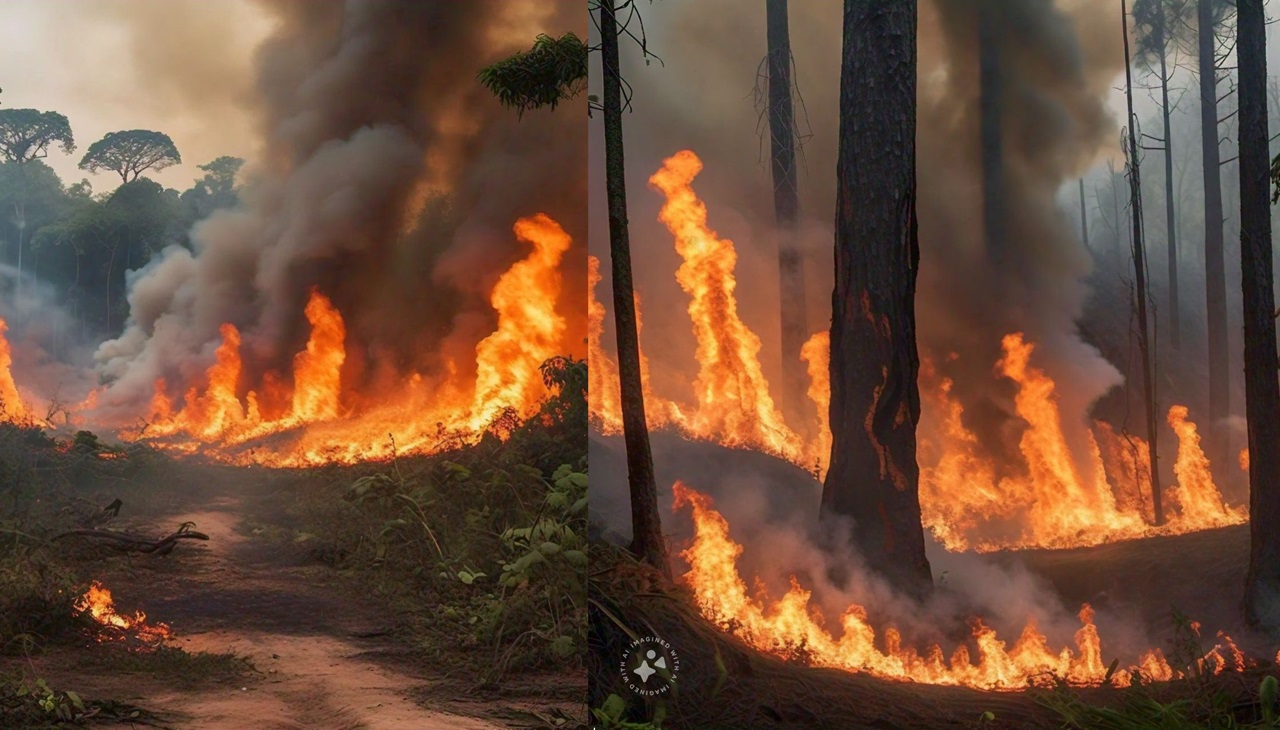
(388, 179)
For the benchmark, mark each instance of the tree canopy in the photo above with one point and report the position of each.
(554, 70)
(130, 153)
(26, 134)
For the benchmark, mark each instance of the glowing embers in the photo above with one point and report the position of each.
(315, 417)
(792, 627)
(112, 625)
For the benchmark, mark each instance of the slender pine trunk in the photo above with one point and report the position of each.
(646, 526)
(1175, 325)
(786, 208)
(1214, 263)
(1140, 281)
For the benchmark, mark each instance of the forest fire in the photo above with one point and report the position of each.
(311, 416)
(790, 627)
(328, 422)
(1054, 498)
(98, 605)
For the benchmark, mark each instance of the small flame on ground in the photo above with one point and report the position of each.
(98, 605)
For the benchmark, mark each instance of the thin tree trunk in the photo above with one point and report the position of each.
(786, 207)
(1261, 388)
(1084, 219)
(989, 97)
(1175, 326)
(875, 401)
(1140, 280)
(1214, 265)
(646, 526)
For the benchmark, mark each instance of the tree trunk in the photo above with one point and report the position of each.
(875, 401)
(1214, 266)
(1175, 326)
(989, 97)
(1084, 219)
(1140, 280)
(646, 526)
(1261, 387)
(786, 208)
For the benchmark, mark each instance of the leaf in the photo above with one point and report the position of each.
(576, 558)
(562, 646)
(548, 548)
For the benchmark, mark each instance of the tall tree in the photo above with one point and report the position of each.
(1215, 272)
(555, 70)
(26, 135)
(875, 399)
(646, 527)
(1261, 387)
(1155, 25)
(130, 153)
(786, 201)
(1140, 280)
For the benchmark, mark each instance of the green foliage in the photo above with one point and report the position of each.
(26, 134)
(554, 70)
(611, 713)
(130, 153)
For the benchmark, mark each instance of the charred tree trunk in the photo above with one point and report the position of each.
(646, 526)
(786, 206)
(1140, 281)
(1214, 265)
(1175, 325)
(989, 97)
(875, 401)
(1261, 387)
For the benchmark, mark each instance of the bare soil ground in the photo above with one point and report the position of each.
(323, 657)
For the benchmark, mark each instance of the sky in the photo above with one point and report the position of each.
(182, 67)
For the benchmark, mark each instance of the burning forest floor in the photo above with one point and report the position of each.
(1136, 587)
(311, 604)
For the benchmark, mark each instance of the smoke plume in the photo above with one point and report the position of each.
(389, 180)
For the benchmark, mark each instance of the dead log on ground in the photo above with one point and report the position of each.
(131, 544)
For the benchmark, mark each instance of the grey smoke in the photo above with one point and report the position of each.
(384, 164)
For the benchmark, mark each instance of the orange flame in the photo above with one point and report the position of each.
(320, 419)
(12, 407)
(733, 396)
(792, 628)
(97, 603)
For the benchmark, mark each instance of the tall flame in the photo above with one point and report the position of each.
(732, 393)
(12, 407)
(1054, 498)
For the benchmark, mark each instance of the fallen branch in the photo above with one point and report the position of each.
(129, 543)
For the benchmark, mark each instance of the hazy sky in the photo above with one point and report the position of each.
(182, 67)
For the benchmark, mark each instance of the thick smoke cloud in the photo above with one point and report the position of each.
(386, 180)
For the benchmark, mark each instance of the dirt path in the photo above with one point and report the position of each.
(321, 655)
